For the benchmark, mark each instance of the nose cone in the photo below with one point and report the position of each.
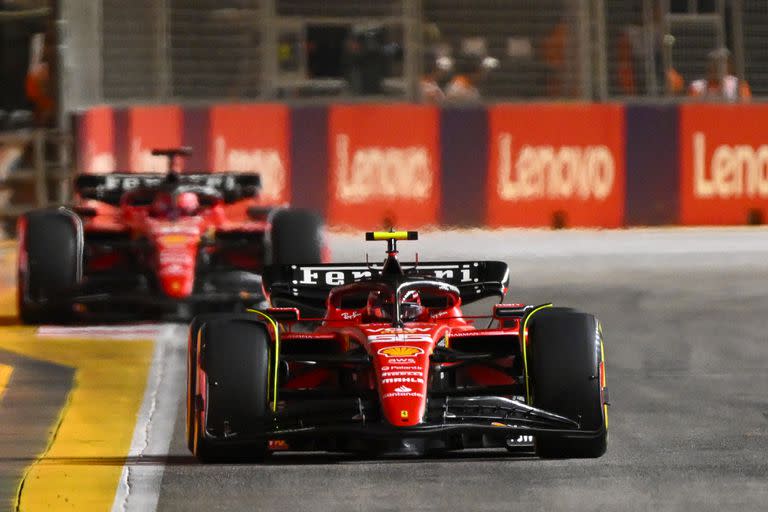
(404, 405)
(402, 374)
(177, 286)
(176, 263)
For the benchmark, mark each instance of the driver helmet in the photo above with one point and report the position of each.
(380, 307)
(187, 203)
(410, 307)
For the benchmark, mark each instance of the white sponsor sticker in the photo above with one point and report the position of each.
(397, 380)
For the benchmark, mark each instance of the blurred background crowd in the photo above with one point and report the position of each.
(63, 55)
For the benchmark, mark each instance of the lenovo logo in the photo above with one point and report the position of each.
(98, 163)
(142, 159)
(382, 172)
(266, 162)
(549, 172)
(733, 172)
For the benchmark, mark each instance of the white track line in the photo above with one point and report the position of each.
(112, 332)
(139, 487)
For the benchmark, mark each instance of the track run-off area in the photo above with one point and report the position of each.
(91, 417)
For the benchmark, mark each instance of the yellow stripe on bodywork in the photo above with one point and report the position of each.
(81, 467)
(602, 359)
(524, 342)
(276, 328)
(5, 376)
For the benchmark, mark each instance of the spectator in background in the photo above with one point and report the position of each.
(720, 82)
(472, 71)
(16, 31)
(633, 53)
(39, 85)
(438, 65)
(554, 53)
(436, 72)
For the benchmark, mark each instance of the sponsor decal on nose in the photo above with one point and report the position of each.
(400, 351)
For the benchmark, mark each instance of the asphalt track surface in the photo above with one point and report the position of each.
(685, 315)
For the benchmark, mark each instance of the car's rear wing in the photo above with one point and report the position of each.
(309, 285)
(111, 187)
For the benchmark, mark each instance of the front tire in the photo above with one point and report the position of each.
(566, 370)
(192, 342)
(234, 356)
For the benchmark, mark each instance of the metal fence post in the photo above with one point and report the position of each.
(601, 59)
(268, 45)
(413, 45)
(585, 50)
(38, 157)
(162, 47)
(737, 26)
(79, 53)
(649, 32)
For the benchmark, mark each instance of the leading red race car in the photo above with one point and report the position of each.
(144, 245)
(391, 364)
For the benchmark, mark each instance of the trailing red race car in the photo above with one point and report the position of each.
(138, 245)
(392, 365)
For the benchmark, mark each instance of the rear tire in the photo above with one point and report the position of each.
(234, 354)
(50, 264)
(565, 365)
(297, 237)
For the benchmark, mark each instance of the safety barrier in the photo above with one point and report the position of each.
(528, 165)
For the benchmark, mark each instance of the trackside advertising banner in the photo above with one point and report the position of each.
(551, 161)
(145, 129)
(724, 163)
(95, 141)
(384, 166)
(253, 138)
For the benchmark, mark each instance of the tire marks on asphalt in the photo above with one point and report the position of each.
(81, 467)
(29, 414)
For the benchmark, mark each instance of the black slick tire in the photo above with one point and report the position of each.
(297, 237)
(50, 264)
(234, 355)
(192, 341)
(565, 364)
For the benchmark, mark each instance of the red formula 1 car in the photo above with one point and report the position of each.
(139, 245)
(391, 365)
